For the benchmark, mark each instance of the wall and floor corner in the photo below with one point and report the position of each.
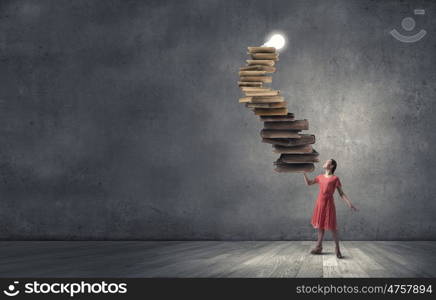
(120, 119)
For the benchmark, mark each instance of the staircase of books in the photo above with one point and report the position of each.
(280, 127)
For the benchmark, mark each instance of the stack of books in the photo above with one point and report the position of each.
(280, 127)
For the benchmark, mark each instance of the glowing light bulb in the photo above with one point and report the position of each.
(276, 40)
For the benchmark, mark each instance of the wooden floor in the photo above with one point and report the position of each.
(215, 259)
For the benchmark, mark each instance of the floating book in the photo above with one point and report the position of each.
(293, 149)
(267, 105)
(299, 158)
(288, 117)
(283, 167)
(259, 62)
(272, 133)
(271, 111)
(303, 140)
(296, 124)
(261, 49)
(281, 129)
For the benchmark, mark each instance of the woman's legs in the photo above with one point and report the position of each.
(318, 247)
(320, 237)
(335, 237)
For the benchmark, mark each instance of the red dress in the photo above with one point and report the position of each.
(324, 212)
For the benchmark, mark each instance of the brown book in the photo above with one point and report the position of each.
(297, 124)
(252, 73)
(273, 134)
(288, 117)
(271, 111)
(250, 83)
(270, 56)
(294, 168)
(267, 69)
(298, 158)
(256, 78)
(261, 49)
(262, 62)
(267, 99)
(303, 140)
(267, 105)
(254, 89)
(293, 149)
(245, 99)
(262, 93)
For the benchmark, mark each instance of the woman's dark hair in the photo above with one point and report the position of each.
(335, 164)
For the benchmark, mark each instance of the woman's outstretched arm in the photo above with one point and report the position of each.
(307, 180)
(345, 198)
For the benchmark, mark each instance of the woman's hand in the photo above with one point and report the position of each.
(352, 207)
(307, 180)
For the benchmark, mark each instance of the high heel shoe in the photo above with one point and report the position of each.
(338, 253)
(316, 250)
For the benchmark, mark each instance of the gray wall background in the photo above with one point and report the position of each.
(120, 119)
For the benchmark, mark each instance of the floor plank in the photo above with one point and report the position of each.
(366, 262)
(291, 260)
(312, 266)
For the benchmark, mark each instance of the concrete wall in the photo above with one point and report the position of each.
(120, 119)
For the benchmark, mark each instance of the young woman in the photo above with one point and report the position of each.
(324, 212)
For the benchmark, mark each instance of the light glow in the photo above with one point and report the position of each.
(276, 40)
